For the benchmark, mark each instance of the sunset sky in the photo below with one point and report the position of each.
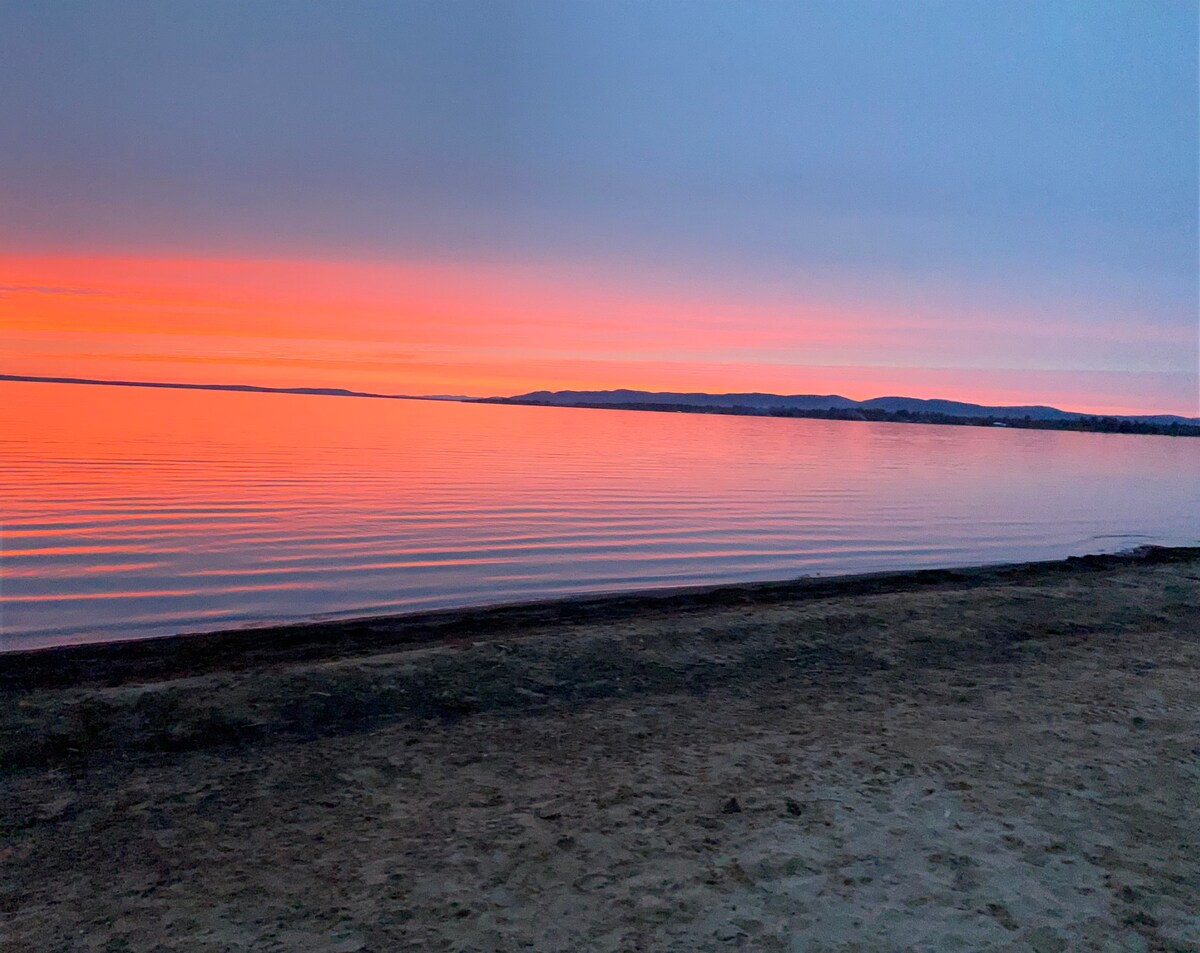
(980, 201)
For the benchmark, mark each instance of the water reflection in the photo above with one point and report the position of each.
(129, 512)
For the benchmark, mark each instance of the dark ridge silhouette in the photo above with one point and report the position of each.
(912, 410)
(571, 398)
(252, 388)
(881, 409)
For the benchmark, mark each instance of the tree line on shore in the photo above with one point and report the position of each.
(1086, 424)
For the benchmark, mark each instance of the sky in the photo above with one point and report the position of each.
(968, 200)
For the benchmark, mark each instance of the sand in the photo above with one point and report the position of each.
(989, 760)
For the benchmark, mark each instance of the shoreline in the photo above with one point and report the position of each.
(185, 654)
(995, 759)
(1123, 425)
(1077, 422)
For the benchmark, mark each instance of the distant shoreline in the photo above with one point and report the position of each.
(1115, 425)
(1077, 423)
(237, 388)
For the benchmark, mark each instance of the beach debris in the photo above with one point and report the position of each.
(793, 807)
(731, 807)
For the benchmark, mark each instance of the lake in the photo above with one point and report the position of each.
(128, 512)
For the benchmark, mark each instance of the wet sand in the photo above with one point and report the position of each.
(1000, 759)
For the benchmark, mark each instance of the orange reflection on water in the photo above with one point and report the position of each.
(131, 511)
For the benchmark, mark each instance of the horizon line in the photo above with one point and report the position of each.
(463, 398)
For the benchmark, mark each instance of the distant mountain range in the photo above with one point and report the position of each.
(911, 409)
(822, 402)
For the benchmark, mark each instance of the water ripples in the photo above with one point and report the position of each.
(127, 514)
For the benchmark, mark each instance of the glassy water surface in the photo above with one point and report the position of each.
(129, 512)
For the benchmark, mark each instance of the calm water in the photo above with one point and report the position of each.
(128, 512)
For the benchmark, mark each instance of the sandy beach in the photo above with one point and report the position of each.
(986, 759)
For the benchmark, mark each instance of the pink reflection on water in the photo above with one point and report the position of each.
(356, 506)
